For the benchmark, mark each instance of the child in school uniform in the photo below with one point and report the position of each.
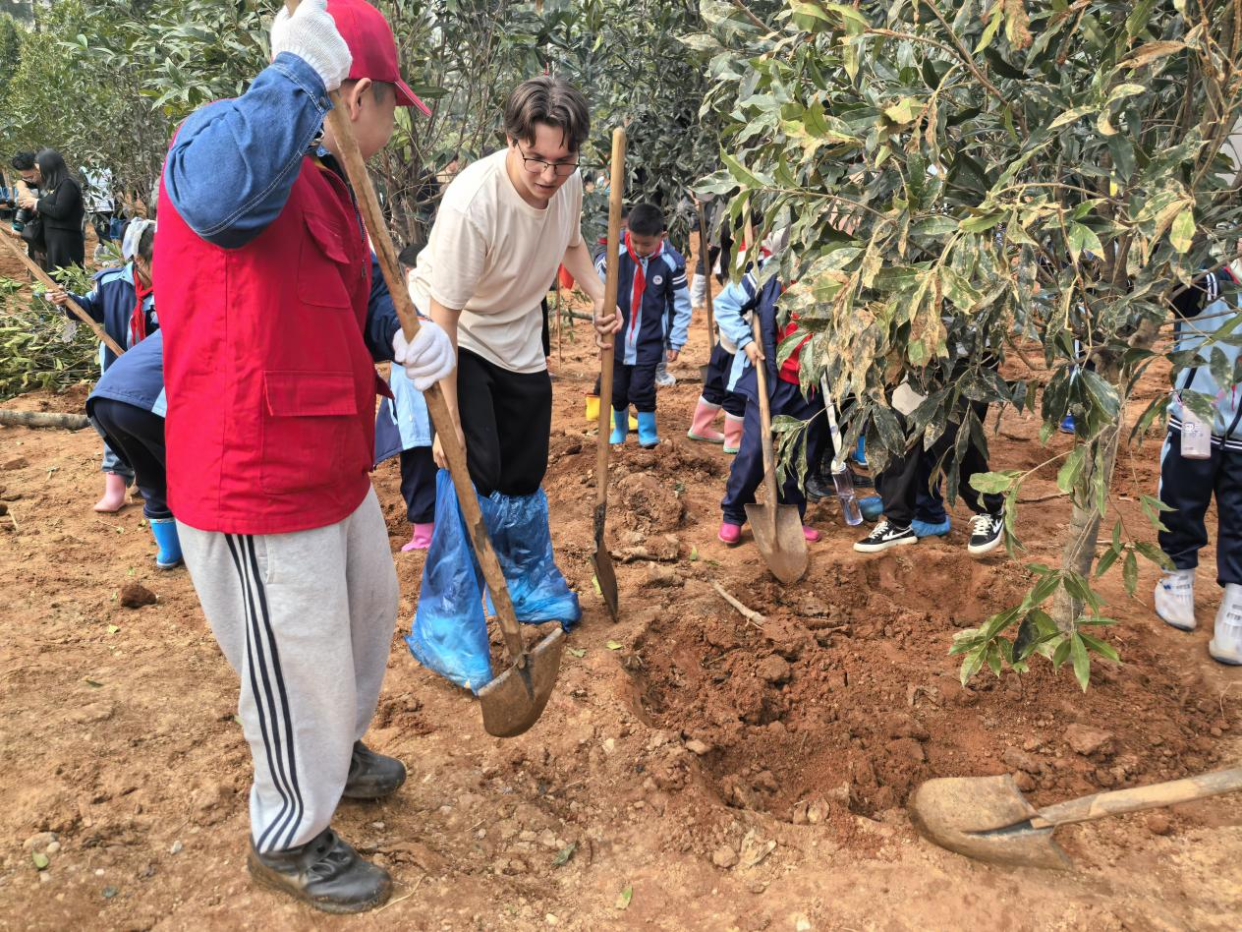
(123, 300)
(1191, 473)
(736, 302)
(652, 280)
(785, 398)
(403, 428)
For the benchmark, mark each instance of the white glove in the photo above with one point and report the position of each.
(311, 35)
(429, 358)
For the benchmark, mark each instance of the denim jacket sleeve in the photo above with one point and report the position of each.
(233, 163)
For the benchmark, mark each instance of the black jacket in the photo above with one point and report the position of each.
(63, 208)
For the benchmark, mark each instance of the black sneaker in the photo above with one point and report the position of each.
(884, 536)
(325, 873)
(986, 532)
(371, 775)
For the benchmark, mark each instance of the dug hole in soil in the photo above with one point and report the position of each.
(693, 770)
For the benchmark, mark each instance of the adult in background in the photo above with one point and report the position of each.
(61, 209)
(26, 220)
(273, 314)
(505, 224)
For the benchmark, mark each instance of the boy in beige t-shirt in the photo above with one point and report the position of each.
(505, 224)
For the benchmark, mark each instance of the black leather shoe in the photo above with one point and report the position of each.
(371, 775)
(325, 873)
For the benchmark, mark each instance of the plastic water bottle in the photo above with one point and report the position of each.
(1196, 437)
(843, 480)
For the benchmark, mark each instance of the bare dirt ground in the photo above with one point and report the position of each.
(729, 776)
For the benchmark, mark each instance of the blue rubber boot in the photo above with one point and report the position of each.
(860, 454)
(620, 426)
(164, 530)
(931, 528)
(1067, 425)
(647, 436)
(871, 507)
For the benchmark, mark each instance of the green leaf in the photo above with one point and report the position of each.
(1182, 233)
(994, 24)
(41, 861)
(1069, 116)
(901, 112)
(563, 856)
(1082, 237)
(1071, 470)
(980, 224)
(577, 651)
(1102, 648)
(624, 897)
(1082, 662)
(1129, 572)
(993, 482)
(741, 172)
(614, 645)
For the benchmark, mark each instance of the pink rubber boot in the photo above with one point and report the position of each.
(422, 537)
(114, 494)
(730, 533)
(810, 534)
(732, 433)
(701, 426)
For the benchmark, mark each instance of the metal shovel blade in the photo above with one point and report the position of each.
(985, 818)
(780, 542)
(513, 701)
(601, 564)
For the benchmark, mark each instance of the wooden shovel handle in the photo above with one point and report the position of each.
(437, 407)
(765, 421)
(1157, 796)
(704, 251)
(612, 275)
(71, 304)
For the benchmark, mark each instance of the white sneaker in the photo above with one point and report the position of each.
(1175, 599)
(1226, 643)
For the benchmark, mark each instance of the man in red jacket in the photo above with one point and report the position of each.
(273, 315)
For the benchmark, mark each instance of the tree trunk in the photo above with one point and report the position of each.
(1084, 531)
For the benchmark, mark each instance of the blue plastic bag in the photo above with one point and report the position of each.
(449, 633)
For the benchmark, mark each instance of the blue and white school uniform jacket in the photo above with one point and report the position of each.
(1194, 328)
(734, 308)
(402, 422)
(137, 378)
(111, 303)
(646, 315)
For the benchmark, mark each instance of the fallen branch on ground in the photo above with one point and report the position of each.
(749, 614)
(43, 419)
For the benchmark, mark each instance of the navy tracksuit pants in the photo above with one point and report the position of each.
(717, 378)
(418, 484)
(1187, 486)
(747, 471)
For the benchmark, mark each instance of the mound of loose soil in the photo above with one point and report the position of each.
(842, 695)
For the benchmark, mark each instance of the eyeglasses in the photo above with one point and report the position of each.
(539, 166)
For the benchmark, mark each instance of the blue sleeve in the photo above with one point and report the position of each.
(233, 163)
(681, 308)
(91, 304)
(382, 322)
(729, 307)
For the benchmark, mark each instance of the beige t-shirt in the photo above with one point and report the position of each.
(494, 256)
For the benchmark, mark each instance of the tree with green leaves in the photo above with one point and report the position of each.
(980, 176)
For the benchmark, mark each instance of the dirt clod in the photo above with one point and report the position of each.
(774, 669)
(724, 857)
(136, 595)
(18, 462)
(1159, 823)
(1086, 740)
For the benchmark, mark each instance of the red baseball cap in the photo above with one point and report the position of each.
(372, 46)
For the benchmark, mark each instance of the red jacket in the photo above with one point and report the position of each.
(271, 387)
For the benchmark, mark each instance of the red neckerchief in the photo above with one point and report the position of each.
(640, 285)
(138, 319)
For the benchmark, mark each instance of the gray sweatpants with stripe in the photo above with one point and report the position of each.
(306, 620)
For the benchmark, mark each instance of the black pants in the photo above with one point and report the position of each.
(714, 384)
(898, 484)
(137, 437)
(418, 484)
(634, 385)
(507, 419)
(1187, 487)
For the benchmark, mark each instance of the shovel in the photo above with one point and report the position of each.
(515, 699)
(601, 560)
(777, 528)
(707, 276)
(988, 818)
